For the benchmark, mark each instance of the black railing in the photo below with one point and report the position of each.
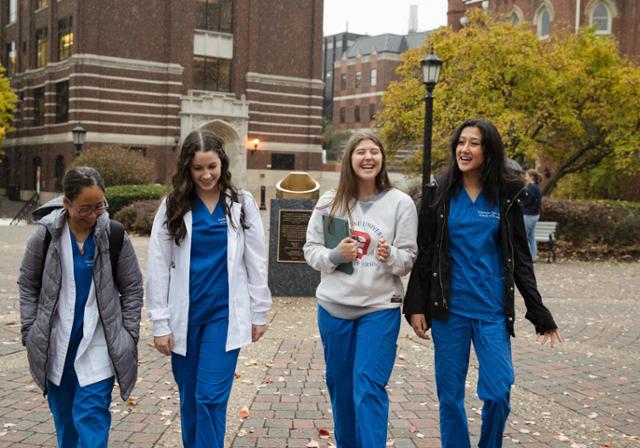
(25, 211)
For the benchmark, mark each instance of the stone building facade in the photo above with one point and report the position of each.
(144, 74)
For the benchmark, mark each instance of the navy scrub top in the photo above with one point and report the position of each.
(208, 278)
(83, 276)
(477, 279)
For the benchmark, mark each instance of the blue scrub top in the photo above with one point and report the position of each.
(477, 279)
(83, 276)
(208, 278)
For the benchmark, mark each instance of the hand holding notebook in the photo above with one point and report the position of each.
(335, 230)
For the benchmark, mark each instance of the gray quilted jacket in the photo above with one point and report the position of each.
(119, 306)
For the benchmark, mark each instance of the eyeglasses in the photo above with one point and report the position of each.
(85, 212)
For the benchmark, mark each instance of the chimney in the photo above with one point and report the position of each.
(413, 18)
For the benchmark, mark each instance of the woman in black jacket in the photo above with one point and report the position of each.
(472, 250)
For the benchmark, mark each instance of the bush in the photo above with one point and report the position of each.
(122, 195)
(614, 223)
(138, 216)
(118, 165)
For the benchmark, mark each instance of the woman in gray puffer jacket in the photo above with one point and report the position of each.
(80, 302)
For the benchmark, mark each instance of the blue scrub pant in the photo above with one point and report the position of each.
(204, 379)
(359, 355)
(530, 222)
(452, 340)
(81, 414)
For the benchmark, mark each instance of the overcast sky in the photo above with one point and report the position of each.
(381, 16)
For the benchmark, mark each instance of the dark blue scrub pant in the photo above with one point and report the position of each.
(204, 379)
(359, 355)
(81, 414)
(452, 340)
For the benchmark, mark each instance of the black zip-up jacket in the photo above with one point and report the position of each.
(429, 289)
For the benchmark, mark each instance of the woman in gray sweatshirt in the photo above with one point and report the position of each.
(360, 290)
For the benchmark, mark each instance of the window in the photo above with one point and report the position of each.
(36, 165)
(38, 106)
(65, 38)
(41, 4)
(214, 15)
(374, 76)
(211, 74)
(514, 19)
(13, 11)
(10, 57)
(343, 114)
(62, 102)
(358, 79)
(343, 81)
(544, 22)
(41, 47)
(372, 111)
(283, 161)
(356, 114)
(601, 19)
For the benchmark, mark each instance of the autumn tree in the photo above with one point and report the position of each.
(8, 100)
(118, 165)
(572, 100)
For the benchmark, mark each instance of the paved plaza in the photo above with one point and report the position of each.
(586, 393)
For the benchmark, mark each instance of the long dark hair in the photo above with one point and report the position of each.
(495, 175)
(78, 178)
(347, 192)
(180, 199)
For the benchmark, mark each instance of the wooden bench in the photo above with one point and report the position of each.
(546, 231)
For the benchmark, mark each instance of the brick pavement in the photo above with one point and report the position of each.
(584, 394)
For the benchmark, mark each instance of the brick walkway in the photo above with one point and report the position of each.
(584, 394)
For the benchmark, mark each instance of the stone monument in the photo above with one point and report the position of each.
(289, 274)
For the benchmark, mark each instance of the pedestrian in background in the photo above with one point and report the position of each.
(531, 206)
(80, 309)
(359, 312)
(473, 251)
(207, 285)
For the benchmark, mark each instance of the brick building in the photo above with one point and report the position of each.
(333, 47)
(620, 18)
(144, 74)
(363, 74)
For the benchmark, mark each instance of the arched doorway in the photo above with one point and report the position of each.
(58, 172)
(36, 167)
(233, 147)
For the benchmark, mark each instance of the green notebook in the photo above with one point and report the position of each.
(332, 236)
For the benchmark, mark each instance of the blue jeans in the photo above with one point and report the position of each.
(530, 222)
(204, 377)
(452, 341)
(359, 355)
(80, 414)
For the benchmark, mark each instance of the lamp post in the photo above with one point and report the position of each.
(431, 66)
(79, 135)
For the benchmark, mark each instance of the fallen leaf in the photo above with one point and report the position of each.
(313, 444)
(323, 433)
(244, 412)
(413, 429)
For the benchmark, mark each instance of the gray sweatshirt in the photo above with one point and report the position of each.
(374, 285)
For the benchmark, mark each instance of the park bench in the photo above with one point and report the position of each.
(546, 232)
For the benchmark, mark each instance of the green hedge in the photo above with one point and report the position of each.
(615, 223)
(120, 196)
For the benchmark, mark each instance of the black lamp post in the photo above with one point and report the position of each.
(431, 66)
(79, 135)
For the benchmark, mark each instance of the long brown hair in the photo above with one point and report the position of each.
(347, 192)
(180, 199)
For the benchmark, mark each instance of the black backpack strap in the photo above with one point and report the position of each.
(45, 249)
(116, 237)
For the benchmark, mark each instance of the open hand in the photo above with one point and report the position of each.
(552, 336)
(257, 331)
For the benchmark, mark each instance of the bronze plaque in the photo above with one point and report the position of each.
(292, 233)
